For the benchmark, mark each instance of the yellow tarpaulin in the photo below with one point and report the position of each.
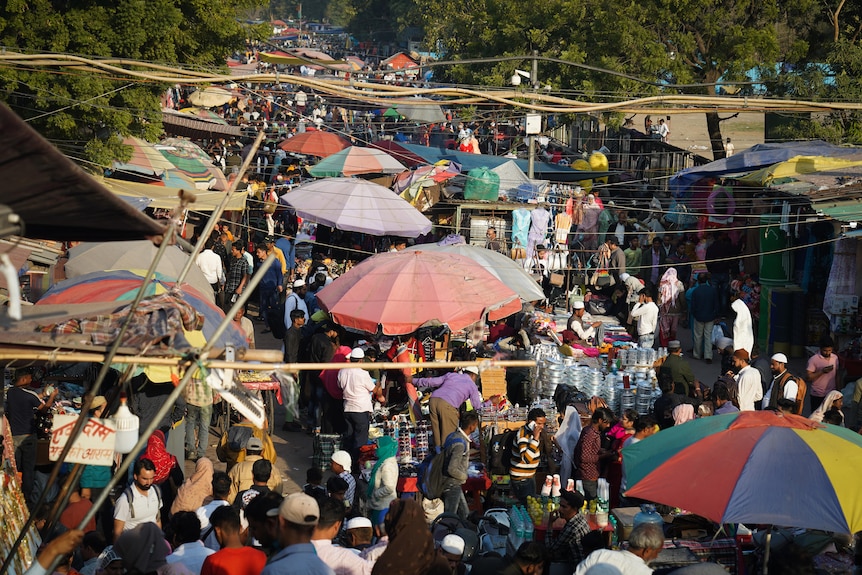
(796, 166)
(164, 197)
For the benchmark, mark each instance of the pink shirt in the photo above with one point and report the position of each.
(825, 382)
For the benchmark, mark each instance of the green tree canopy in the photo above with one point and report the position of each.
(85, 113)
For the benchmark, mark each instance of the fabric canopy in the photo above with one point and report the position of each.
(166, 197)
(470, 161)
(755, 158)
(797, 166)
(55, 198)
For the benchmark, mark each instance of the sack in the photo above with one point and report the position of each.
(430, 474)
(557, 279)
(275, 319)
(500, 452)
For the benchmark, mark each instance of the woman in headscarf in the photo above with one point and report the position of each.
(590, 223)
(384, 479)
(158, 454)
(682, 413)
(196, 488)
(835, 399)
(168, 474)
(410, 550)
(671, 306)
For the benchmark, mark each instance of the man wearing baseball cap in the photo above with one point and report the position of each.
(450, 391)
(783, 385)
(357, 387)
(297, 517)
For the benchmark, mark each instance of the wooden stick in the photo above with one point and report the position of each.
(10, 354)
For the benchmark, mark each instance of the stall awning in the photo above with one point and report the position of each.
(55, 198)
(179, 124)
(167, 198)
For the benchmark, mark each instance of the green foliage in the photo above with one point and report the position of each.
(88, 111)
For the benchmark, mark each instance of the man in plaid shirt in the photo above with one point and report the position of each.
(568, 548)
(589, 453)
(237, 276)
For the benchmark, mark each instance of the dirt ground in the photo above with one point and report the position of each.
(688, 131)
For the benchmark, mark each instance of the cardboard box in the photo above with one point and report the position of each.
(625, 517)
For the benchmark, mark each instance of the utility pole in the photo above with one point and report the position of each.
(531, 138)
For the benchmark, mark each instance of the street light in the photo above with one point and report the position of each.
(533, 124)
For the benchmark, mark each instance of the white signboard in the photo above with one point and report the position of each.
(95, 445)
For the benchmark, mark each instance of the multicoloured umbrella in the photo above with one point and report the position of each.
(200, 172)
(146, 159)
(188, 147)
(356, 160)
(122, 285)
(91, 257)
(315, 143)
(753, 467)
(396, 293)
(355, 205)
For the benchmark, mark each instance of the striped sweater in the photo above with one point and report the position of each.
(525, 455)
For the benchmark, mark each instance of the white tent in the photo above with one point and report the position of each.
(511, 177)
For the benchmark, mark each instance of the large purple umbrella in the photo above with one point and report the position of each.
(355, 205)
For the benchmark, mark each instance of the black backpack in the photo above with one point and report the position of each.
(500, 452)
(130, 497)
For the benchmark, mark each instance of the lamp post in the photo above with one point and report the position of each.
(533, 124)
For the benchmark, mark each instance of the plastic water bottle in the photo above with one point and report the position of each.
(527, 523)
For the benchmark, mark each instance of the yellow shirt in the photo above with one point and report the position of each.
(280, 256)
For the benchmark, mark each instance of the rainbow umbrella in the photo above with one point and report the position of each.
(200, 172)
(755, 467)
(356, 160)
(145, 159)
(122, 285)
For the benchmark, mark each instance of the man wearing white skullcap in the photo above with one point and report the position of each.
(783, 385)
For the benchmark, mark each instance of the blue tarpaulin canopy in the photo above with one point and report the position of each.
(755, 158)
(469, 161)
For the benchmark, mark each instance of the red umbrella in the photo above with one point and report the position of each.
(400, 153)
(316, 143)
(396, 293)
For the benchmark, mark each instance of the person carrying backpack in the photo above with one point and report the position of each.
(456, 458)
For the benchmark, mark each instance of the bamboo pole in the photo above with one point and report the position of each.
(7, 354)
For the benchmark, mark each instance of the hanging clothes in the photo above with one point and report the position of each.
(539, 220)
(520, 228)
(562, 225)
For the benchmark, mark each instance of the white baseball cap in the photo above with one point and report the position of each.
(300, 509)
(780, 358)
(472, 369)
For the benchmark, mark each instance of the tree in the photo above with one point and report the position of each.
(86, 113)
(682, 42)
